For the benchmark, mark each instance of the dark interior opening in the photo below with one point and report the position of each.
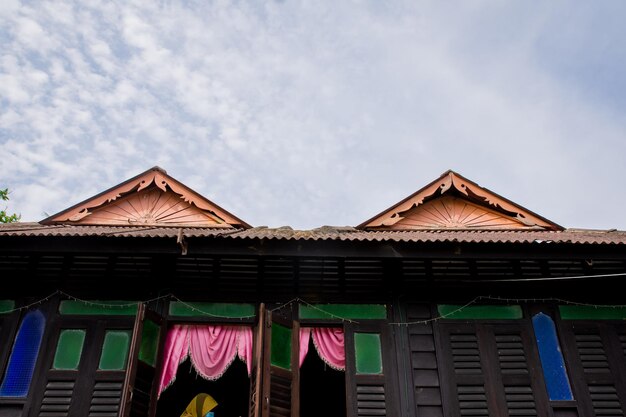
(322, 388)
(231, 391)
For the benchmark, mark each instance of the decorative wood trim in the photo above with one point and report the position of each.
(150, 207)
(451, 212)
(152, 197)
(401, 215)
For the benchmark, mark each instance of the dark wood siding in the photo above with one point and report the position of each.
(424, 370)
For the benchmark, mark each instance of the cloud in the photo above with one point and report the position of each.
(318, 113)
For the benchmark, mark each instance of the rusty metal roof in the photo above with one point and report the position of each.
(326, 233)
(65, 230)
(578, 236)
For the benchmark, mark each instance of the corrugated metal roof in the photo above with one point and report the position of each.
(37, 229)
(326, 233)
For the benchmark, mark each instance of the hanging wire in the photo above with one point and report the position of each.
(508, 300)
(288, 303)
(443, 316)
(326, 312)
(315, 307)
(112, 305)
(300, 300)
(25, 307)
(206, 313)
(564, 278)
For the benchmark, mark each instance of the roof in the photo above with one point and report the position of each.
(150, 198)
(454, 202)
(451, 209)
(325, 233)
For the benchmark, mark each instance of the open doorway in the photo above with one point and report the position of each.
(231, 391)
(322, 388)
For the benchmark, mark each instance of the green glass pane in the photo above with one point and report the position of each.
(149, 342)
(343, 311)
(6, 306)
(225, 310)
(448, 311)
(368, 353)
(111, 308)
(592, 312)
(281, 346)
(115, 350)
(69, 349)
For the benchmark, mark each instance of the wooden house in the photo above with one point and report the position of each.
(453, 302)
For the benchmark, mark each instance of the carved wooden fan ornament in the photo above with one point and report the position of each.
(454, 202)
(151, 198)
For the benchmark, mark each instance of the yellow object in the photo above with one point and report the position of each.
(199, 406)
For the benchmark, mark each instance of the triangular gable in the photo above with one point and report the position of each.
(454, 202)
(150, 198)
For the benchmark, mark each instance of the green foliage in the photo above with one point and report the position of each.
(4, 217)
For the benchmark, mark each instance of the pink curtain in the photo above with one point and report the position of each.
(211, 348)
(329, 343)
(305, 336)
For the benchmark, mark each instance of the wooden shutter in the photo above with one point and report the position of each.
(280, 365)
(525, 393)
(140, 386)
(8, 328)
(86, 390)
(370, 394)
(465, 388)
(491, 370)
(256, 393)
(596, 354)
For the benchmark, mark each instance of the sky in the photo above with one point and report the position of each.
(313, 113)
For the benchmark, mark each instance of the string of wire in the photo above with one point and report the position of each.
(170, 296)
(191, 306)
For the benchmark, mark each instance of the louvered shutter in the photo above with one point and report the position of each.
(493, 370)
(8, 327)
(370, 392)
(280, 365)
(465, 390)
(140, 384)
(522, 379)
(595, 353)
(85, 390)
(256, 393)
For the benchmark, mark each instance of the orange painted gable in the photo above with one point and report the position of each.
(151, 198)
(454, 202)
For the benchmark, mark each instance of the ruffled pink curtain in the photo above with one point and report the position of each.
(305, 336)
(212, 349)
(329, 343)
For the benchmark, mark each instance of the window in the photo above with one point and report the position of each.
(19, 371)
(552, 362)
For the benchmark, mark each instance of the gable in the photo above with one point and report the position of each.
(453, 212)
(151, 198)
(454, 202)
(149, 206)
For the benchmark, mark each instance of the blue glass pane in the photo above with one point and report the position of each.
(554, 371)
(23, 356)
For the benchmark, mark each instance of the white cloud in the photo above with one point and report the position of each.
(317, 113)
